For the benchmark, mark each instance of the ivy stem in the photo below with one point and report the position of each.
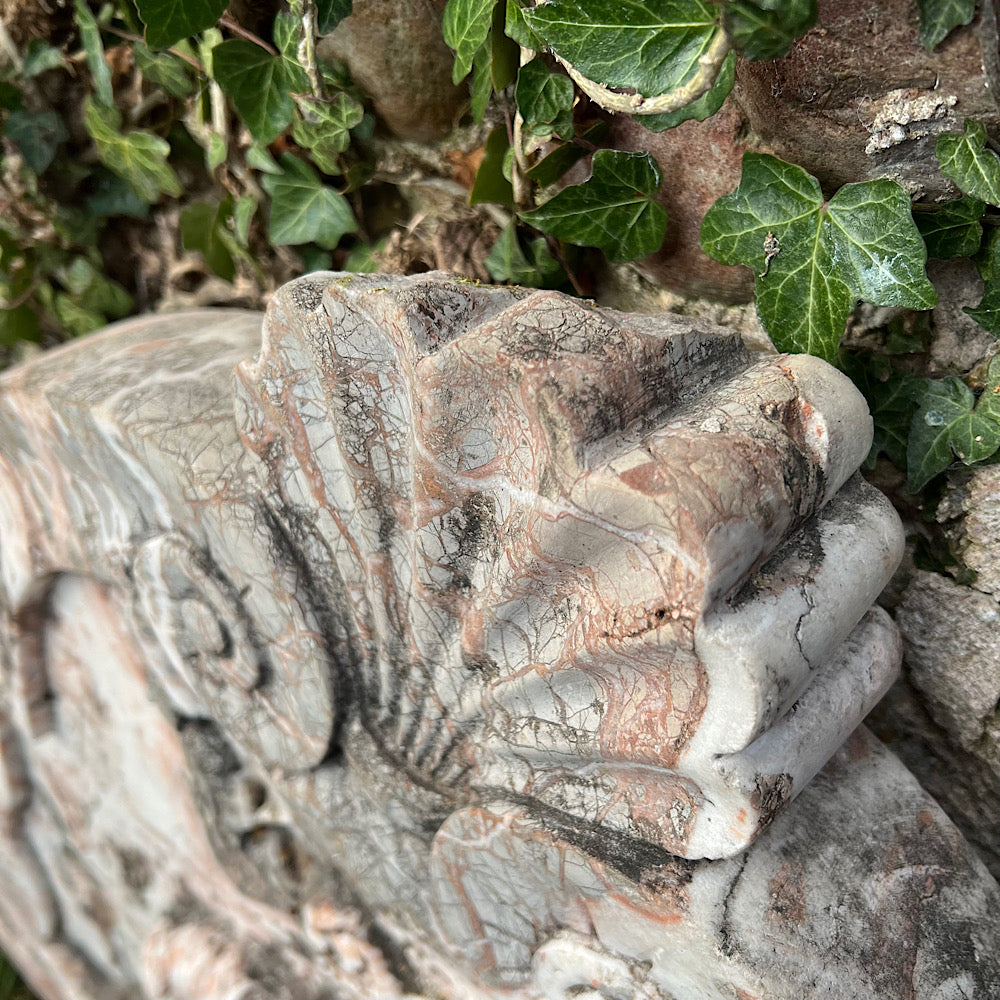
(635, 104)
(519, 182)
(229, 24)
(129, 37)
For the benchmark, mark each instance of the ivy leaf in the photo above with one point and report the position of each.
(765, 29)
(704, 107)
(953, 230)
(38, 135)
(329, 13)
(325, 129)
(140, 158)
(950, 423)
(482, 81)
(201, 222)
(938, 17)
(93, 292)
(505, 54)
(112, 196)
(164, 70)
(169, 21)
(965, 160)
(615, 210)
(553, 165)
(303, 210)
(535, 269)
(813, 259)
(651, 47)
(93, 51)
(517, 29)
(491, 185)
(259, 84)
(545, 100)
(466, 25)
(889, 394)
(987, 313)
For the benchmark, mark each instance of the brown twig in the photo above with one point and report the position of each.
(230, 25)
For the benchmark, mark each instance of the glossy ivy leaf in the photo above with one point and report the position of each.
(534, 268)
(939, 17)
(325, 128)
(545, 100)
(259, 84)
(950, 423)
(765, 29)
(169, 21)
(329, 13)
(615, 210)
(466, 25)
(202, 225)
(953, 230)
(814, 259)
(704, 107)
(303, 209)
(93, 51)
(651, 46)
(38, 135)
(965, 159)
(516, 28)
(139, 158)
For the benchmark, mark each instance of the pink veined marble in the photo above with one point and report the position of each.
(449, 638)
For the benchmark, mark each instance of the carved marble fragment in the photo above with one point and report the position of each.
(439, 637)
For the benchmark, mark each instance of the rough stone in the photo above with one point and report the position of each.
(439, 639)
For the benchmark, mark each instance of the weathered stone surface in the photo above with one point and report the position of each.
(396, 53)
(457, 626)
(868, 99)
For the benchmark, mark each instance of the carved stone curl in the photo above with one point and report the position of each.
(430, 644)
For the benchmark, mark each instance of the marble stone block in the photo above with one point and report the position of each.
(471, 641)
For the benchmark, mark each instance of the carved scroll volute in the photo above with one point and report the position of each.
(538, 517)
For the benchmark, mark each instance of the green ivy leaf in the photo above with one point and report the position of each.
(201, 222)
(889, 394)
(516, 28)
(950, 423)
(303, 210)
(325, 129)
(987, 312)
(491, 185)
(508, 261)
(164, 70)
(938, 17)
(140, 158)
(813, 259)
(704, 107)
(93, 292)
(615, 210)
(38, 135)
(259, 85)
(545, 100)
(93, 50)
(965, 160)
(505, 54)
(482, 81)
(466, 25)
(953, 230)
(329, 13)
(169, 21)
(648, 46)
(765, 29)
